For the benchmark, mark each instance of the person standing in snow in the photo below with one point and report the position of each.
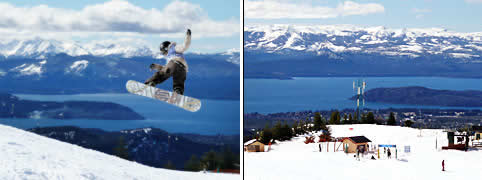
(176, 65)
(443, 165)
(389, 154)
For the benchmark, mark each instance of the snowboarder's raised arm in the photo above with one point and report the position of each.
(187, 43)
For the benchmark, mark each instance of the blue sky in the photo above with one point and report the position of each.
(214, 23)
(454, 15)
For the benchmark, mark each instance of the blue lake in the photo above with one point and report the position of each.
(274, 95)
(214, 117)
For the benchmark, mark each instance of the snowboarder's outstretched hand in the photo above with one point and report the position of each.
(188, 32)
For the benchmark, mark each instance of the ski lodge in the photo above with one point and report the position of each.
(477, 141)
(351, 144)
(477, 132)
(253, 146)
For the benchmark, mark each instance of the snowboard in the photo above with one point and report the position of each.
(185, 102)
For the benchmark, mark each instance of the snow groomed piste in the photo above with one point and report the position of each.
(416, 154)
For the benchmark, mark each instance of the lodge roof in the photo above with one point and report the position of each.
(251, 142)
(359, 139)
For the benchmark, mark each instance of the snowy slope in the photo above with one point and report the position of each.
(24, 155)
(296, 160)
(322, 39)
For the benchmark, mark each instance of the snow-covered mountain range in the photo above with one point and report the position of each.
(52, 66)
(126, 48)
(26, 155)
(339, 39)
(37, 47)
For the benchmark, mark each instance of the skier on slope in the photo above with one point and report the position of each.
(443, 165)
(389, 153)
(176, 65)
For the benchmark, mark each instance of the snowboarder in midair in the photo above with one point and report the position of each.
(176, 65)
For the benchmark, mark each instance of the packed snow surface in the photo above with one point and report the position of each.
(31, 69)
(24, 155)
(78, 66)
(296, 160)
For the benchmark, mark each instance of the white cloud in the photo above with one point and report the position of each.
(275, 9)
(118, 16)
(417, 10)
(420, 13)
(473, 1)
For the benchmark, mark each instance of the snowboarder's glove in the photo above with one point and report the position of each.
(188, 32)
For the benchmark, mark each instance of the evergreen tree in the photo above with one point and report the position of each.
(277, 131)
(266, 135)
(323, 124)
(308, 126)
(363, 119)
(317, 121)
(295, 128)
(391, 120)
(121, 149)
(193, 164)
(408, 123)
(286, 132)
(379, 120)
(370, 118)
(228, 159)
(327, 131)
(332, 118)
(248, 137)
(210, 160)
(355, 118)
(335, 117)
(350, 119)
(302, 127)
(345, 119)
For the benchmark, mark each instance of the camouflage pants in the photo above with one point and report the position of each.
(176, 70)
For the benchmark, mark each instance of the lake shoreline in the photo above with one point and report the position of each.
(215, 116)
(419, 95)
(314, 93)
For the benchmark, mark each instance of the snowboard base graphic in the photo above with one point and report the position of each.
(185, 102)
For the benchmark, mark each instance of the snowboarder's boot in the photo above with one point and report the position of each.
(150, 83)
(178, 90)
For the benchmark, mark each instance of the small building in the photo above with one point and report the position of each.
(351, 144)
(253, 146)
(477, 132)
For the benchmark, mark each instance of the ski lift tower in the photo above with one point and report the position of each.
(359, 89)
